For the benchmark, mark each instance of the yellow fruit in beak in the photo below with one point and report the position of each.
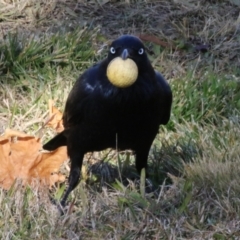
(122, 73)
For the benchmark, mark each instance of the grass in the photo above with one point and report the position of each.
(194, 162)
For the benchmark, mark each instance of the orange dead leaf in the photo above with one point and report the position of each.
(48, 166)
(20, 158)
(55, 117)
(13, 133)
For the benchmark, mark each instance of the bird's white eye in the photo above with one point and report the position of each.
(140, 51)
(112, 50)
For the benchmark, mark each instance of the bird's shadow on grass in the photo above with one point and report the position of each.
(163, 162)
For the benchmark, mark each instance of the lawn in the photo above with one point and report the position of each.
(194, 163)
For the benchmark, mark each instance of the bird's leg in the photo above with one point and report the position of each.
(141, 158)
(141, 162)
(76, 165)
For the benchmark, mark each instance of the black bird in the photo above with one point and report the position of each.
(100, 115)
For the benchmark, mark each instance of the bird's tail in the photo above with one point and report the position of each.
(56, 142)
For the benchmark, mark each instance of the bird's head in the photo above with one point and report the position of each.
(126, 56)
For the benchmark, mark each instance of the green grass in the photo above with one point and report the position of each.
(194, 161)
(36, 57)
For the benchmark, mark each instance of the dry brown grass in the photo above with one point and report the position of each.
(199, 149)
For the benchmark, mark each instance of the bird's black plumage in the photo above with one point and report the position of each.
(99, 115)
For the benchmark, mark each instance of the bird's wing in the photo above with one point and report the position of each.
(75, 108)
(166, 98)
(78, 99)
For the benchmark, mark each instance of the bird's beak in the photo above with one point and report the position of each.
(125, 54)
